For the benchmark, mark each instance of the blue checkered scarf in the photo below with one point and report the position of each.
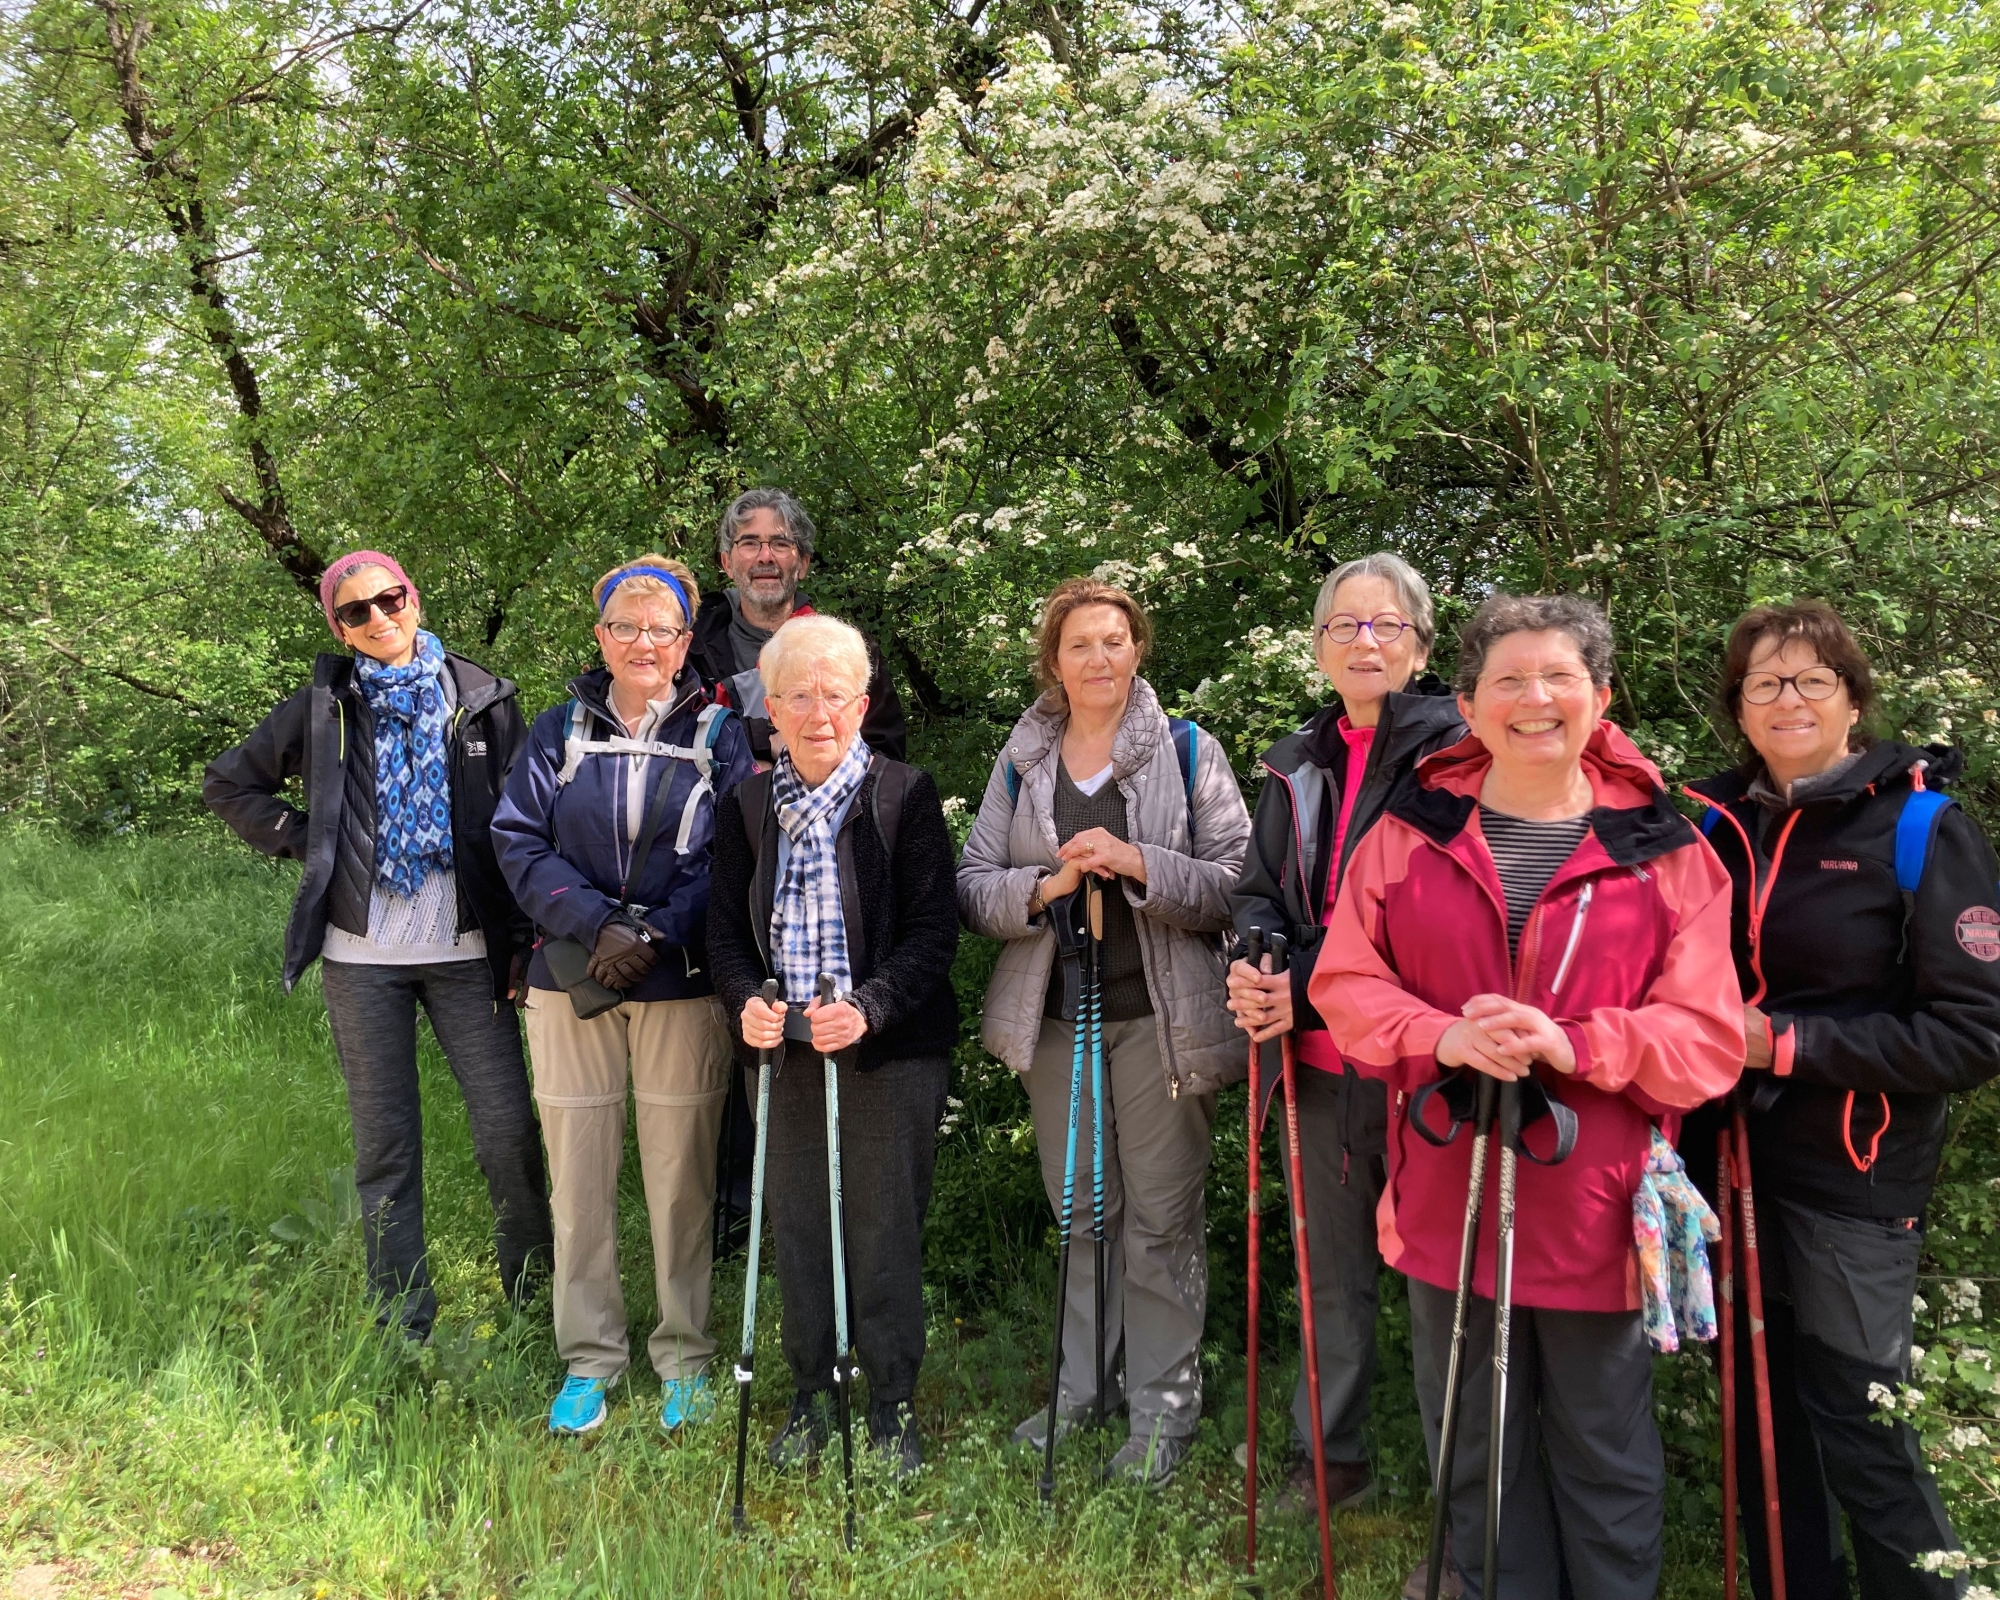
(412, 777)
(808, 933)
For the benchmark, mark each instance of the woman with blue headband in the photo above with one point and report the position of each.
(604, 835)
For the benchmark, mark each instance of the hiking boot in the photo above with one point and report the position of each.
(892, 1433)
(686, 1400)
(1451, 1587)
(799, 1442)
(1149, 1460)
(581, 1405)
(1349, 1485)
(1034, 1429)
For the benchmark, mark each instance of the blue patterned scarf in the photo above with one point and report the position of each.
(808, 933)
(412, 778)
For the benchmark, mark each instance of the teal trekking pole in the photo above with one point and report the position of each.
(1069, 917)
(765, 1068)
(844, 1368)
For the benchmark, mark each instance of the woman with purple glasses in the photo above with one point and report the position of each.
(401, 750)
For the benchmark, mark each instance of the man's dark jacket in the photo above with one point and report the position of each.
(905, 906)
(325, 736)
(564, 847)
(712, 656)
(1881, 1004)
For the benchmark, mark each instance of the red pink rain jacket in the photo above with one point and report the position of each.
(1627, 950)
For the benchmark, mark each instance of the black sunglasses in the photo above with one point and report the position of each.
(389, 602)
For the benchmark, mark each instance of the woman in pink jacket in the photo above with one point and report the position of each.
(1532, 905)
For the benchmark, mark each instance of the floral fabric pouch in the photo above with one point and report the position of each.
(1672, 1228)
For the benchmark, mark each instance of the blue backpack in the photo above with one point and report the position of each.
(1187, 751)
(1916, 827)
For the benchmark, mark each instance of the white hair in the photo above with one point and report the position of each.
(803, 643)
(1412, 593)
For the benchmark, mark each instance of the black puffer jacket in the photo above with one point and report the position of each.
(904, 905)
(1283, 888)
(325, 736)
(1881, 1005)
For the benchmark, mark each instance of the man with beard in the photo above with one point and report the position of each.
(765, 545)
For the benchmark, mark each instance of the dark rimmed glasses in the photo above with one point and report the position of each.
(1385, 629)
(1815, 683)
(628, 632)
(389, 602)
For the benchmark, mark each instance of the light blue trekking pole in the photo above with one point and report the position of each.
(765, 1068)
(844, 1368)
(1061, 913)
(1093, 988)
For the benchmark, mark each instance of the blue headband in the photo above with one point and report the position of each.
(673, 583)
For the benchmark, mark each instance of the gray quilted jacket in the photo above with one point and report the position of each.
(1182, 909)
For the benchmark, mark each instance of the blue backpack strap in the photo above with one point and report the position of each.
(1710, 816)
(1187, 751)
(1915, 828)
(1012, 779)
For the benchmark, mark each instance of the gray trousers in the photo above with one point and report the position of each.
(1156, 1151)
(888, 1150)
(1583, 1476)
(373, 1010)
(1342, 1188)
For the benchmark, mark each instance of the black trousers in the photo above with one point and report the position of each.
(888, 1149)
(1837, 1320)
(373, 1010)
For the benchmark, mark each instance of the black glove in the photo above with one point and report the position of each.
(623, 953)
(517, 979)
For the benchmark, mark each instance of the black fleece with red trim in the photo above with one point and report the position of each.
(1880, 1005)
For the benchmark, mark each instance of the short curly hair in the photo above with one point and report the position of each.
(1503, 614)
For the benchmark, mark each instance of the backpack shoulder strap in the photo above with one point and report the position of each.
(892, 788)
(573, 743)
(1916, 827)
(1710, 816)
(754, 795)
(1187, 751)
(707, 729)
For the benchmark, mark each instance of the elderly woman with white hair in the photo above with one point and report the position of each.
(838, 861)
(1325, 786)
(605, 836)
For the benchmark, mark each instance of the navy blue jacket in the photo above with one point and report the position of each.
(562, 847)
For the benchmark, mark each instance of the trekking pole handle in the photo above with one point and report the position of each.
(1253, 949)
(1281, 953)
(826, 994)
(770, 991)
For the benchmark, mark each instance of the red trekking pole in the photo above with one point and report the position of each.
(1725, 1184)
(1253, 944)
(1280, 961)
(1760, 1366)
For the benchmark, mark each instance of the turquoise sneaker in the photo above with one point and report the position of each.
(581, 1405)
(686, 1400)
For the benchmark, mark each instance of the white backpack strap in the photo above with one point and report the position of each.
(708, 728)
(574, 746)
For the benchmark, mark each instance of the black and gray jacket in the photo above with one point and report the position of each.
(896, 870)
(1881, 1004)
(325, 736)
(711, 655)
(1287, 873)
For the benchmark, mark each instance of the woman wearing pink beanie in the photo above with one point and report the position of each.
(402, 750)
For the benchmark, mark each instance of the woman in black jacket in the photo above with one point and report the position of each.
(1874, 993)
(402, 749)
(838, 861)
(1373, 625)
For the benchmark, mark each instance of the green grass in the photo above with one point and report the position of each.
(193, 1399)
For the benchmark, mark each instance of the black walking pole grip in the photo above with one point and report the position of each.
(746, 1358)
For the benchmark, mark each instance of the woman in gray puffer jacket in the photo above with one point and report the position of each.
(1096, 780)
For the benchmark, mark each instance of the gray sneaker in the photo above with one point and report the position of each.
(1149, 1460)
(1034, 1429)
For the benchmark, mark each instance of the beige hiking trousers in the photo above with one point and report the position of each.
(675, 1055)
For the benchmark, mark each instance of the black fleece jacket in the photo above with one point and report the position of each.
(906, 909)
(1881, 1004)
(1286, 871)
(324, 735)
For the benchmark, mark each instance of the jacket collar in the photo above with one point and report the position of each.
(1633, 819)
(593, 689)
(1881, 767)
(333, 670)
(711, 618)
(1409, 721)
(1040, 730)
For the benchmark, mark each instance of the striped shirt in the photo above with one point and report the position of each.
(1527, 854)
